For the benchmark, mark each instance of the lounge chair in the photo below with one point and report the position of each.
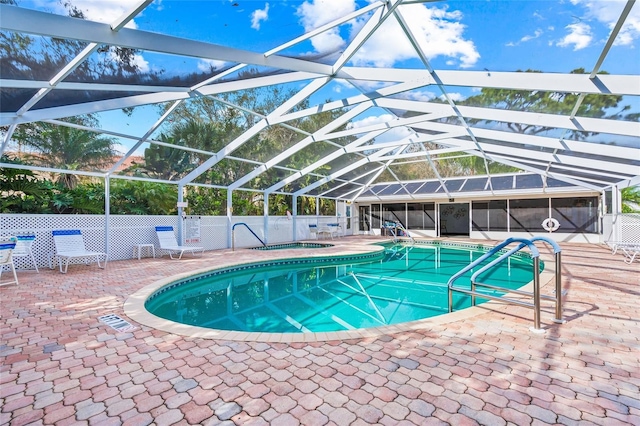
(6, 251)
(319, 232)
(631, 251)
(335, 229)
(313, 231)
(168, 243)
(69, 245)
(23, 248)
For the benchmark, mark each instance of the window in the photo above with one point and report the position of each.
(489, 215)
(375, 216)
(394, 213)
(576, 214)
(528, 215)
(421, 216)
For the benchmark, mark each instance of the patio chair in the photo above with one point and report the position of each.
(322, 232)
(335, 229)
(69, 244)
(168, 243)
(631, 251)
(313, 231)
(6, 259)
(23, 248)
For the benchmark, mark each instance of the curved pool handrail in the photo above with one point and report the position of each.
(233, 240)
(523, 241)
(551, 242)
(558, 275)
(499, 259)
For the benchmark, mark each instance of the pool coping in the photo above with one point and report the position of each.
(134, 306)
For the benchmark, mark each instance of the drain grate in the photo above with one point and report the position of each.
(117, 323)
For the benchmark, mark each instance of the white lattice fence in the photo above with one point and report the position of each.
(126, 231)
(92, 228)
(621, 228)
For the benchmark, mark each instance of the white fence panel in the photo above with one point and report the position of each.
(125, 231)
(92, 227)
(621, 228)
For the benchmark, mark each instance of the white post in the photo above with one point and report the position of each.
(266, 217)
(294, 210)
(107, 213)
(229, 217)
(180, 212)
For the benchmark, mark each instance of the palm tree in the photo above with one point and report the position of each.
(63, 147)
(630, 199)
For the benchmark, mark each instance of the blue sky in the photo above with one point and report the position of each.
(477, 34)
(551, 36)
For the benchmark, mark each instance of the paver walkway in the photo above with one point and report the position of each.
(60, 365)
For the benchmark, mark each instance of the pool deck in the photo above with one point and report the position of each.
(59, 365)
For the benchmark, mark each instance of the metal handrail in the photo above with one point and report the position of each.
(557, 251)
(397, 225)
(402, 228)
(233, 235)
(535, 254)
(488, 254)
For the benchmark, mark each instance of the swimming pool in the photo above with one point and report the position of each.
(401, 284)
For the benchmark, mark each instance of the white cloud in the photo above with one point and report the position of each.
(608, 12)
(418, 95)
(258, 16)
(105, 11)
(370, 121)
(454, 96)
(316, 13)
(537, 33)
(138, 61)
(390, 135)
(205, 65)
(579, 36)
(438, 31)
(141, 63)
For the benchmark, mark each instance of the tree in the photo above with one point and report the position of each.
(559, 103)
(142, 198)
(68, 148)
(163, 162)
(21, 191)
(208, 124)
(631, 199)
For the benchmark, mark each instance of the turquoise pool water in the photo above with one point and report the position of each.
(405, 283)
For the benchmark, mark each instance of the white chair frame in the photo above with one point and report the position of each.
(69, 245)
(23, 248)
(7, 245)
(168, 243)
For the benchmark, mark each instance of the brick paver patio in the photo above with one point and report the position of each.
(60, 365)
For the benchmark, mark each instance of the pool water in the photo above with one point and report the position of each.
(405, 283)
